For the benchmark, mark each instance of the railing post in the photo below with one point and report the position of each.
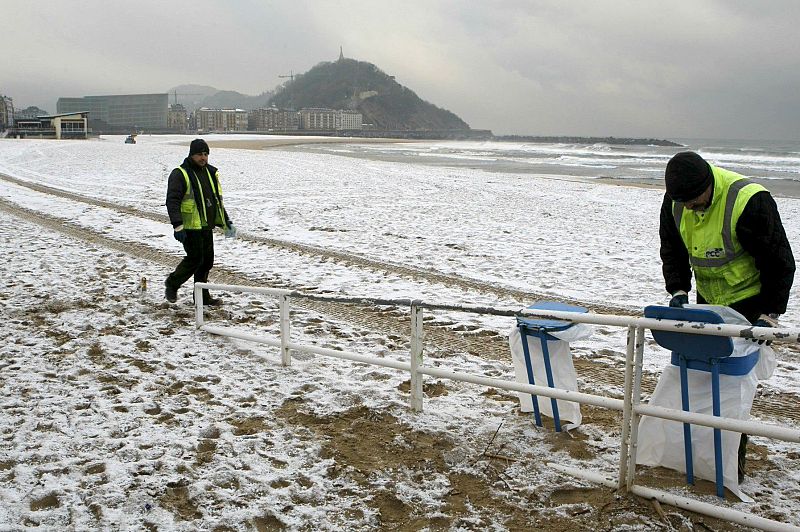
(286, 358)
(198, 306)
(416, 357)
(626, 412)
(636, 398)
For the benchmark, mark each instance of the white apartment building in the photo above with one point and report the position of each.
(321, 119)
(349, 120)
(273, 119)
(318, 118)
(221, 119)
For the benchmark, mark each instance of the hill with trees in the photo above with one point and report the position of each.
(362, 86)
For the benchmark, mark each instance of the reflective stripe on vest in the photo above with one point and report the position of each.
(729, 249)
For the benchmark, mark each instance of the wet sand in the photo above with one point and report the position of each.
(777, 187)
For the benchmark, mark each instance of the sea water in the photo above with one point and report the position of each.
(775, 162)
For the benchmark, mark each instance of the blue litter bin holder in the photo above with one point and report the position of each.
(543, 358)
(714, 375)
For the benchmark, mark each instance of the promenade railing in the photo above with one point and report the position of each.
(630, 406)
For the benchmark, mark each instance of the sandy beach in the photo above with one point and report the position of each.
(136, 419)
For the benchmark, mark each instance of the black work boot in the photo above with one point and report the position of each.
(170, 293)
(210, 301)
(742, 458)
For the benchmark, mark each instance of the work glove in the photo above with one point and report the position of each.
(230, 231)
(180, 234)
(679, 299)
(764, 321)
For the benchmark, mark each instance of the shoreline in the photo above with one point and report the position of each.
(777, 187)
(263, 144)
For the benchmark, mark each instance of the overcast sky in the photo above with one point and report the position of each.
(721, 69)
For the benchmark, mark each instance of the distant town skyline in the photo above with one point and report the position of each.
(719, 69)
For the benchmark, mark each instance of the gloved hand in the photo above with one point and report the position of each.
(679, 299)
(180, 234)
(764, 321)
(230, 231)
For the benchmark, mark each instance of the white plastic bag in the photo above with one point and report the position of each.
(660, 441)
(564, 376)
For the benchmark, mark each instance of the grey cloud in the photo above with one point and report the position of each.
(712, 68)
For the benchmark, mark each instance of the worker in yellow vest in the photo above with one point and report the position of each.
(195, 207)
(727, 230)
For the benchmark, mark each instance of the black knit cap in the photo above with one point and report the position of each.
(687, 176)
(198, 146)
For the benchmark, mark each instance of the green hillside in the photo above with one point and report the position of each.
(351, 84)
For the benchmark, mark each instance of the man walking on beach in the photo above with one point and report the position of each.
(194, 204)
(727, 230)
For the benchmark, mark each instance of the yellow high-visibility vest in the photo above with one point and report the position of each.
(192, 217)
(725, 273)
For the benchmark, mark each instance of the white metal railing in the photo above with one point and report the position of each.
(630, 406)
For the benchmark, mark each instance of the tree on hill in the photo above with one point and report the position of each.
(351, 84)
(29, 112)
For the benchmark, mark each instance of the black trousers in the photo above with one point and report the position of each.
(750, 308)
(199, 259)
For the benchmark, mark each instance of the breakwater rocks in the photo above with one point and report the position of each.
(588, 140)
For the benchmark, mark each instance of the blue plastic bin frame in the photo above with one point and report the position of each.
(702, 353)
(539, 328)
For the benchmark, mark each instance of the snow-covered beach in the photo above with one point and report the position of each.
(117, 414)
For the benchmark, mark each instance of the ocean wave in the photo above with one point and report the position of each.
(457, 156)
(776, 160)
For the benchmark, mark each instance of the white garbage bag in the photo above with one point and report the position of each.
(660, 441)
(564, 376)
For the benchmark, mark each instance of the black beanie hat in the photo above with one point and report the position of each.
(198, 146)
(687, 176)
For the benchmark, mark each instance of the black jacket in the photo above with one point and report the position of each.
(761, 234)
(176, 189)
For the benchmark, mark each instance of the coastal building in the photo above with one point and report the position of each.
(322, 119)
(221, 119)
(120, 113)
(58, 126)
(6, 112)
(318, 119)
(347, 120)
(273, 119)
(177, 119)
